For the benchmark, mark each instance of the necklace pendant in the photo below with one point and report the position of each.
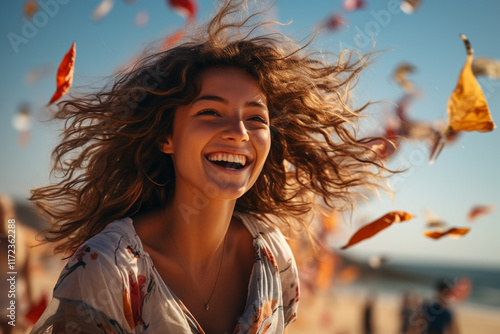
(207, 306)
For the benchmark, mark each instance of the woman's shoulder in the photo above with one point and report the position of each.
(116, 242)
(114, 235)
(271, 237)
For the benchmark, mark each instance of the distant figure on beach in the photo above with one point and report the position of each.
(436, 317)
(368, 314)
(408, 309)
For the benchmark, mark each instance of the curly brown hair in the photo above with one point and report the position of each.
(110, 166)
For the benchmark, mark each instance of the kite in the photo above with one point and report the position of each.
(453, 232)
(482, 66)
(478, 211)
(467, 107)
(65, 74)
(378, 225)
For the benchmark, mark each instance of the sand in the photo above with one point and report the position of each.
(339, 312)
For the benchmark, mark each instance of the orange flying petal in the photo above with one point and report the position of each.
(453, 232)
(348, 274)
(462, 289)
(378, 225)
(467, 106)
(172, 40)
(479, 210)
(30, 8)
(65, 74)
(186, 8)
(325, 271)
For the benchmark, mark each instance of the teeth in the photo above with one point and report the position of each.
(237, 158)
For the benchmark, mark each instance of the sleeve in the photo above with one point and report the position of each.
(89, 294)
(288, 274)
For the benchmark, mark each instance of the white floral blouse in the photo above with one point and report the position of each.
(110, 285)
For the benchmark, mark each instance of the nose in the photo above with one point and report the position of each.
(235, 130)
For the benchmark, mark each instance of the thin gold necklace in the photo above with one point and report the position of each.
(184, 266)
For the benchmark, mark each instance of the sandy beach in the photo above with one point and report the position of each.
(339, 312)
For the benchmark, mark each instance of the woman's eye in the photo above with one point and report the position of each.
(259, 119)
(210, 112)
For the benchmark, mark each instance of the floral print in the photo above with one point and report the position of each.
(110, 285)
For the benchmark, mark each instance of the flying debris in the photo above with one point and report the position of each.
(482, 66)
(410, 6)
(378, 225)
(467, 106)
(454, 232)
(65, 74)
(479, 210)
(102, 10)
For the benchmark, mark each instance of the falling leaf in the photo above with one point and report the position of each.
(479, 210)
(324, 272)
(102, 10)
(35, 74)
(30, 8)
(353, 5)
(334, 22)
(378, 225)
(141, 19)
(65, 74)
(329, 220)
(36, 310)
(453, 232)
(410, 6)
(461, 290)
(22, 121)
(187, 8)
(482, 66)
(432, 220)
(385, 149)
(348, 274)
(173, 39)
(467, 107)
(400, 75)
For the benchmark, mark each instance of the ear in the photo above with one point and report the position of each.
(166, 146)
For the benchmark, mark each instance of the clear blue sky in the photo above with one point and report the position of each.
(464, 175)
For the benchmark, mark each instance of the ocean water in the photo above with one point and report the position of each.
(421, 280)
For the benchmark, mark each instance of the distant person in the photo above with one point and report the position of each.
(436, 317)
(368, 314)
(408, 310)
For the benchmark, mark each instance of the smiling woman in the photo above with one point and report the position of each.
(177, 180)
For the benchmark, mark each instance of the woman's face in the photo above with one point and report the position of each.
(221, 140)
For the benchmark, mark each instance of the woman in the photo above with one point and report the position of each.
(178, 180)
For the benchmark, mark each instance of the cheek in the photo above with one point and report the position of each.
(263, 144)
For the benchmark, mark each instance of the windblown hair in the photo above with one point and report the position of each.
(110, 166)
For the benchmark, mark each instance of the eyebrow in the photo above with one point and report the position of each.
(225, 101)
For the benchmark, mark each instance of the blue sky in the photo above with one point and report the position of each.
(464, 175)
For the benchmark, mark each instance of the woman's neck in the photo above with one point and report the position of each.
(193, 224)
